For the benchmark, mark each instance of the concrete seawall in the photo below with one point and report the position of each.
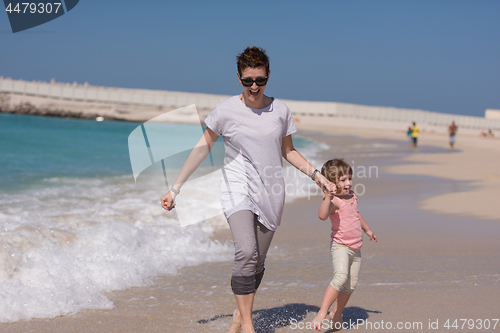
(86, 101)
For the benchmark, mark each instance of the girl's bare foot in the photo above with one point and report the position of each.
(316, 322)
(236, 324)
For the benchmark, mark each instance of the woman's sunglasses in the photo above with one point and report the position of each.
(260, 81)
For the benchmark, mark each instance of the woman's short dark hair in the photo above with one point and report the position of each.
(252, 57)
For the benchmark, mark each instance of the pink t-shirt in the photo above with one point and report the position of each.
(346, 225)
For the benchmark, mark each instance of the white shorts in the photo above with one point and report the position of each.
(346, 267)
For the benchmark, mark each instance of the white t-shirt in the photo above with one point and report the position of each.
(252, 176)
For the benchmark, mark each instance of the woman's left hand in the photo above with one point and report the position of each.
(167, 201)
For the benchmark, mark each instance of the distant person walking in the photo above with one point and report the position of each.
(408, 133)
(453, 131)
(414, 134)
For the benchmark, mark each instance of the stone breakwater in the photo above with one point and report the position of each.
(89, 102)
(86, 101)
(28, 108)
(51, 107)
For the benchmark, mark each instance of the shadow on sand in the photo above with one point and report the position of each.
(267, 320)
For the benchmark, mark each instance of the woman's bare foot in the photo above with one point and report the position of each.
(236, 324)
(247, 328)
(336, 321)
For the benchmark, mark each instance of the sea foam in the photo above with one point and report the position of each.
(66, 244)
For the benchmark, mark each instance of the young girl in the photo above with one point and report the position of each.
(347, 238)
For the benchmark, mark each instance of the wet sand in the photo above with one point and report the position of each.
(427, 265)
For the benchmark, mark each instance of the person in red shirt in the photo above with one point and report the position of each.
(453, 131)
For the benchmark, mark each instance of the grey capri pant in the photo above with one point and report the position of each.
(251, 242)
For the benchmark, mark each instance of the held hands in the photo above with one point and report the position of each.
(327, 193)
(330, 191)
(323, 183)
(167, 201)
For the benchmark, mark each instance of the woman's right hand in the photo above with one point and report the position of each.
(167, 201)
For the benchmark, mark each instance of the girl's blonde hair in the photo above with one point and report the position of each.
(334, 169)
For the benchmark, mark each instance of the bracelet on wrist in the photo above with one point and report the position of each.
(314, 174)
(175, 191)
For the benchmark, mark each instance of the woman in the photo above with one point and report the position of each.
(257, 134)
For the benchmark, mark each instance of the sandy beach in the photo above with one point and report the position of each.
(435, 214)
(475, 160)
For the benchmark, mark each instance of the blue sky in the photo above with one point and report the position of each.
(433, 55)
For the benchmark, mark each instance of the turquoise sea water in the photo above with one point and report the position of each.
(34, 148)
